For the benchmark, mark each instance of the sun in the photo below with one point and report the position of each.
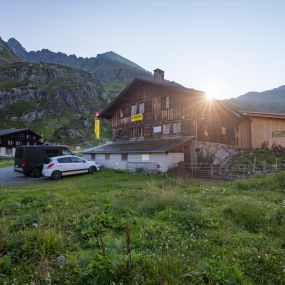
(210, 97)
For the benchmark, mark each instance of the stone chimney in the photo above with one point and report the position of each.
(158, 75)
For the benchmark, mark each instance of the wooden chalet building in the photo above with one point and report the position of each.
(10, 138)
(156, 125)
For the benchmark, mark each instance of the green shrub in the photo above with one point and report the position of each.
(5, 264)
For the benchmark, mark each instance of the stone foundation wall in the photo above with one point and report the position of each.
(204, 152)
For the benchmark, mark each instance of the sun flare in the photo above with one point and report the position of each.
(210, 97)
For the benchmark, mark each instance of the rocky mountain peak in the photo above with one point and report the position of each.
(17, 48)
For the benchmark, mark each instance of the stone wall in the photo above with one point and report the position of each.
(204, 152)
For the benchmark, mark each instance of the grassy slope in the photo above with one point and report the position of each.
(191, 232)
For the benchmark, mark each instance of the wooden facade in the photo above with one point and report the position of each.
(151, 110)
(262, 129)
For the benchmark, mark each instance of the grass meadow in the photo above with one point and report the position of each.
(119, 228)
(5, 162)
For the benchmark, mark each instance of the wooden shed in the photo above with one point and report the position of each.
(258, 129)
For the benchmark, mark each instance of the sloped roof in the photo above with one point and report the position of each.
(140, 146)
(177, 88)
(14, 131)
(10, 131)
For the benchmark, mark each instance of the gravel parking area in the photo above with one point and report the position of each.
(8, 177)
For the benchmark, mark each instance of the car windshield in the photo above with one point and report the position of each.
(66, 151)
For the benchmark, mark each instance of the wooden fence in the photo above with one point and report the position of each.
(227, 172)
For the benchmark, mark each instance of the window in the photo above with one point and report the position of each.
(78, 160)
(121, 113)
(126, 111)
(141, 108)
(10, 142)
(93, 156)
(205, 129)
(28, 136)
(53, 152)
(124, 156)
(107, 156)
(133, 110)
(140, 132)
(224, 131)
(165, 103)
(177, 128)
(166, 129)
(132, 133)
(65, 160)
(145, 157)
(18, 142)
(278, 134)
(8, 152)
(66, 151)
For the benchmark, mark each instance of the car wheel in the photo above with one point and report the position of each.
(36, 173)
(92, 169)
(56, 175)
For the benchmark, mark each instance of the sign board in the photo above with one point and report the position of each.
(145, 157)
(157, 129)
(278, 134)
(136, 117)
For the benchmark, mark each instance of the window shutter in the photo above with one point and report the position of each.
(148, 106)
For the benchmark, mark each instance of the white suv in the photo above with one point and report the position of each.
(58, 166)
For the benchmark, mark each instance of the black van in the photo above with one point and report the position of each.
(29, 160)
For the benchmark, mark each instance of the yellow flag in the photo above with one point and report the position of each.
(97, 126)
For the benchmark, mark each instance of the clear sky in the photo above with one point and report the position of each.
(225, 48)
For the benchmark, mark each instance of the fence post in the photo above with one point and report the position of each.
(254, 163)
(227, 171)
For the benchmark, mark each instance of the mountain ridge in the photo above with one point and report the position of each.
(123, 69)
(271, 101)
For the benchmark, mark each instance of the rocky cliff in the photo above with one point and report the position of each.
(56, 101)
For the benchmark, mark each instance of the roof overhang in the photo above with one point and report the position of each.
(140, 146)
(265, 115)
